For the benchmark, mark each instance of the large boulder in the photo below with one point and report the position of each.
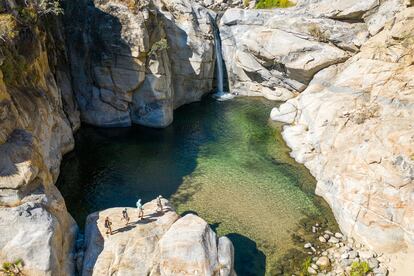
(160, 244)
(354, 130)
(136, 62)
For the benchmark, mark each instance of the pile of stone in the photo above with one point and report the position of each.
(334, 254)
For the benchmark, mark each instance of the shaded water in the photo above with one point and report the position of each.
(222, 160)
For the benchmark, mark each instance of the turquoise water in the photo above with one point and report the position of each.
(222, 160)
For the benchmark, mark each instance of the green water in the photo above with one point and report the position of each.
(224, 161)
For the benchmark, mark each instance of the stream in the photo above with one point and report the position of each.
(225, 161)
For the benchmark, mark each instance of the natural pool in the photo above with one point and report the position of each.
(223, 160)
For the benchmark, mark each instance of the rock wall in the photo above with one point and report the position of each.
(160, 244)
(353, 127)
(119, 62)
(37, 117)
(276, 53)
(136, 62)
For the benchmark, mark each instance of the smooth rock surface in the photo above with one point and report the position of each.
(354, 131)
(136, 63)
(160, 244)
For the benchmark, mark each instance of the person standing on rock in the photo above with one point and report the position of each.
(125, 216)
(108, 226)
(140, 209)
(159, 204)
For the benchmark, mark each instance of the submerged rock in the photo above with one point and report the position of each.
(160, 244)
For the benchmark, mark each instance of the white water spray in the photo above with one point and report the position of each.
(220, 94)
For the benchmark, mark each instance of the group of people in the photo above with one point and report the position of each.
(125, 216)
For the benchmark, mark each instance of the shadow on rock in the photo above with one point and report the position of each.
(249, 260)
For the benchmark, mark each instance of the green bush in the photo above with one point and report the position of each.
(45, 7)
(12, 269)
(359, 269)
(8, 27)
(268, 4)
(158, 46)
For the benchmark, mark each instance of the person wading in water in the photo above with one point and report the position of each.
(125, 216)
(140, 209)
(108, 227)
(159, 204)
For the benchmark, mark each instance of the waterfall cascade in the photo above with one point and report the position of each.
(220, 93)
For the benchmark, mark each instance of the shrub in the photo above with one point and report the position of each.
(45, 7)
(359, 269)
(160, 45)
(246, 3)
(268, 4)
(12, 269)
(8, 27)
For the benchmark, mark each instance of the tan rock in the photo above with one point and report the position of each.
(160, 244)
(354, 131)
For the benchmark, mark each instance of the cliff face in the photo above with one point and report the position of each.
(137, 62)
(353, 127)
(275, 53)
(35, 96)
(128, 63)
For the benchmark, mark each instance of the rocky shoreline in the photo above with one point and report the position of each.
(335, 254)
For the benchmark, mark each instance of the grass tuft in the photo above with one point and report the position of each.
(269, 4)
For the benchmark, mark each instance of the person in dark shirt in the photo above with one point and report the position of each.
(125, 216)
(108, 226)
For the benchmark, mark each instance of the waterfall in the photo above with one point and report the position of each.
(220, 94)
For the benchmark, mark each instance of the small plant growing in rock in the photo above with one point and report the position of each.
(315, 31)
(8, 29)
(158, 46)
(46, 7)
(359, 269)
(246, 3)
(269, 4)
(305, 266)
(12, 269)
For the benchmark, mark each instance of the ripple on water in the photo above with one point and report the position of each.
(222, 160)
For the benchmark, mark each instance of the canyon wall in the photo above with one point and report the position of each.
(136, 63)
(353, 127)
(107, 63)
(275, 53)
(37, 118)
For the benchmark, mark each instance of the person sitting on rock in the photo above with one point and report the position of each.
(125, 216)
(140, 209)
(159, 204)
(108, 227)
